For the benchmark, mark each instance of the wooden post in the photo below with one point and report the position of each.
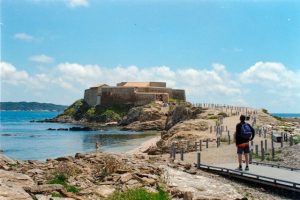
(261, 145)
(266, 144)
(198, 160)
(273, 154)
(272, 142)
(281, 142)
(200, 145)
(256, 149)
(207, 143)
(228, 139)
(174, 153)
(181, 154)
(291, 140)
(196, 146)
(250, 156)
(187, 145)
(262, 154)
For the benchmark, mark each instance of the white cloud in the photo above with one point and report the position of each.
(24, 37)
(77, 3)
(271, 74)
(265, 84)
(9, 74)
(41, 58)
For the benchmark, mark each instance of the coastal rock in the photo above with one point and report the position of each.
(11, 185)
(181, 113)
(15, 179)
(13, 193)
(79, 155)
(47, 188)
(200, 187)
(147, 125)
(75, 128)
(101, 191)
(126, 177)
(68, 158)
(149, 117)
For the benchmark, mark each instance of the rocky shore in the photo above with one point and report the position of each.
(98, 175)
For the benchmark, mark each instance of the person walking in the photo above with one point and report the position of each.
(244, 133)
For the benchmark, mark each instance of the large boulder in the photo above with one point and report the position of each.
(147, 125)
(11, 185)
(148, 117)
(181, 113)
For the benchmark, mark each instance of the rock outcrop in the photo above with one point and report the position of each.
(11, 185)
(149, 117)
(181, 113)
(96, 176)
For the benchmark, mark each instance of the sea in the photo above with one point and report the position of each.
(25, 140)
(287, 115)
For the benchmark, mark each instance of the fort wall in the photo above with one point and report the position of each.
(131, 93)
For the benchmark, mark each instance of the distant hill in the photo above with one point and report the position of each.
(30, 106)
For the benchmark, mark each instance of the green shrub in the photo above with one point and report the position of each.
(77, 109)
(213, 117)
(278, 118)
(265, 111)
(296, 139)
(61, 174)
(140, 194)
(223, 114)
(224, 139)
(56, 194)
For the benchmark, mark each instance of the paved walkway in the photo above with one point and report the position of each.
(276, 173)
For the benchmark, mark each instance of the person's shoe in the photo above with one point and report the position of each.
(247, 168)
(239, 168)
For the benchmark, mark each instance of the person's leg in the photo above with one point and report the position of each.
(247, 158)
(246, 152)
(240, 159)
(240, 153)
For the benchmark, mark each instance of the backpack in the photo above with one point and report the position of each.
(246, 132)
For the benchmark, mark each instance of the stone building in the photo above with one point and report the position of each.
(131, 93)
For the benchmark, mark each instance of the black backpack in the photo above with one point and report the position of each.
(246, 131)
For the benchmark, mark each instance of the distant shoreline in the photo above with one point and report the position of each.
(31, 111)
(286, 115)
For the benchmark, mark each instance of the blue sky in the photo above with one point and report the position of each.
(231, 52)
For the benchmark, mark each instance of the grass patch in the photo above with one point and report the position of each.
(56, 194)
(63, 181)
(296, 139)
(265, 111)
(223, 114)
(61, 174)
(140, 194)
(213, 117)
(224, 139)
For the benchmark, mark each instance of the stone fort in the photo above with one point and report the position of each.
(131, 93)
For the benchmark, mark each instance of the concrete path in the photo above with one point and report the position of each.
(276, 173)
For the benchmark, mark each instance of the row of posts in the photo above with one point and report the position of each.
(263, 144)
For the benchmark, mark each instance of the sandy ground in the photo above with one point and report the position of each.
(224, 154)
(144, 146)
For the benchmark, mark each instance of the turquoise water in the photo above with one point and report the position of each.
(287, 115)
(21, 139)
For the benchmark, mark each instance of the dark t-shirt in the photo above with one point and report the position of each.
(238, 138)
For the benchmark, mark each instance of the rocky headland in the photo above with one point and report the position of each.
(99, 175)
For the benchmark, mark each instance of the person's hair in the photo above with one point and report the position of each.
(242, 118)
